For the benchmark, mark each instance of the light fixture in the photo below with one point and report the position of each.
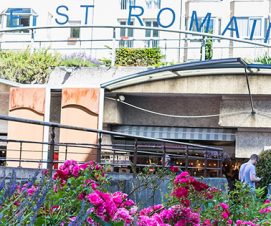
(121, 98)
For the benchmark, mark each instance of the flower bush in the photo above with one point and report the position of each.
(77, 195)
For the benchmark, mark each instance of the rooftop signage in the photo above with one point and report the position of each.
(136, 12)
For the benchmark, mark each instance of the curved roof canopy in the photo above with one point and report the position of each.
(221, 66)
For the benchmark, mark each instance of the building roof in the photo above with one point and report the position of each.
(220, 66)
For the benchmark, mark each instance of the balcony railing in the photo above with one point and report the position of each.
(125, 153)
(177, 46)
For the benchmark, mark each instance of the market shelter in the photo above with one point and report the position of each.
(223, 103)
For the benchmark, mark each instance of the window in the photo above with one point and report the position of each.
(149, 34)
(153, 4)
(124, 4)
(195, 38)
(125, 35)
(75, 31)
(20, 17)
(203, 28)
(245, 25)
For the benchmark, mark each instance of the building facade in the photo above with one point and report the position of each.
(246, 20)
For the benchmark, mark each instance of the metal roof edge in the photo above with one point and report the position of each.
(185, 66)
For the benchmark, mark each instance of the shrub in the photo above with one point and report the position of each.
(138, 57)
(264, 167)
(79, 59)
(27, 67)
(35, 67)
(264, 59)
(77, 195)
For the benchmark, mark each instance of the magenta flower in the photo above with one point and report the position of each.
(224, 206)
(94, 199)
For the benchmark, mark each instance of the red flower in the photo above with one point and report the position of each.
(199, 186)
(174, 169)
(180, 192)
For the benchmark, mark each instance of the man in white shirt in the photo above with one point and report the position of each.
(247, 173)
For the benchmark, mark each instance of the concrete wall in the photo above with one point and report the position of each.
(79, 108)
(4, 100)
(251, 142)
(205, 84)
(179, 105)
(29, 104)
(237, 105)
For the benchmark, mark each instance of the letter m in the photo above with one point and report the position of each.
(194, 19)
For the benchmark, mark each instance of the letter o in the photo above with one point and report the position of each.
(159, 15)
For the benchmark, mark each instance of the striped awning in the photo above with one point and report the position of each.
(178, 133)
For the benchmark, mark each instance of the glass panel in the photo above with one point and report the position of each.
(131, 31)
(147, 31)
(75, 32)
(155, 33)
(24, 21)
(258, 27)
(123, 4)
(242, 24)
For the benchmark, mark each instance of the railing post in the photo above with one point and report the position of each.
(51, 152)
(219, 164)
(135, 156)
(113, 59)
(114, 155)
(66, 152)
(205, 164)
(203, 48)
(32, 41)
(186, 158)
(99, 150)
(20, 158)
(164, 155)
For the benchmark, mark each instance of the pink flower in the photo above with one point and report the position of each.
(180, 192)
(117, 197)
(224, 206)
(229, 221)
(94, 199)
(122, 214)
(94, 186)
(265, 210)
(207, 222)
(225, 215)
(31, 190)
(81, 196)
(174, 169)
(199, 186)
(90, 220)
(184, 174)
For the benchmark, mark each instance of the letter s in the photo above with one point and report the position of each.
(62, 14)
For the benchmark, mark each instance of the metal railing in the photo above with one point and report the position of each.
(124, 153)
(176, 45)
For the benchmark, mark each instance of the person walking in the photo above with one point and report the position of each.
(247, 173)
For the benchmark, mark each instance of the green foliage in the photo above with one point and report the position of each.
(209, 49)
(138, 57)
(264, 59)
(76, 62)
(27, 66)
(106, 62)
(244, 205)
(264, 168)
